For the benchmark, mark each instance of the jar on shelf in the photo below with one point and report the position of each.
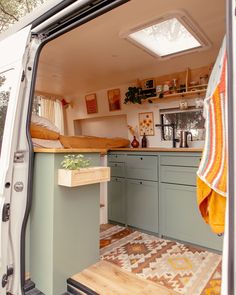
(203, 79)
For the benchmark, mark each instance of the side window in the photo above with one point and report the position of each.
(5, 89)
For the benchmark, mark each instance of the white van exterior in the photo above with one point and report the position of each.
(19, 53)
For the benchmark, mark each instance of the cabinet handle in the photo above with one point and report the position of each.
(140, 182)
(115, 165)
(141, 158)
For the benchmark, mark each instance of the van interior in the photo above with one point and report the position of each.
(82, 81)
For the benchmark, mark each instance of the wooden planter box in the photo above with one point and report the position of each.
(83, 176)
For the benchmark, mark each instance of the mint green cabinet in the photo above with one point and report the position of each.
(178, 175)
(64, 225)
(116, 188)
(142, 167)
(180, 218)
(117, 169)
(157, 192)
(142, 204)
(116, 200)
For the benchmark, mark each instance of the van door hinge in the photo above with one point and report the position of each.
(5, 277)
(23, 76)
(6, 212)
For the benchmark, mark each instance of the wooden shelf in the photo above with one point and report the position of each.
(83, 176)
(186, 95)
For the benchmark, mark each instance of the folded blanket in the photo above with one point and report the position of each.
(212, 172)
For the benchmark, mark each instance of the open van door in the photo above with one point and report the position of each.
(14, 156)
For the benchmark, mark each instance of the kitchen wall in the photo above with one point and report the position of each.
(100, 124)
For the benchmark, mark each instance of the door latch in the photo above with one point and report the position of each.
(6, 212)
(6, 276)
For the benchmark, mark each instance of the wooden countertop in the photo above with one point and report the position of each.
(104, 151)
(69, 151)
(158, 149)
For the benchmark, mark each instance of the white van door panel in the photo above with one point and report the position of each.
(13, 60)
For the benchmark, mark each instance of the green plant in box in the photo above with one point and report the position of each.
(75, 162)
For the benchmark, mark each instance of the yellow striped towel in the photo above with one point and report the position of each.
(212, 172)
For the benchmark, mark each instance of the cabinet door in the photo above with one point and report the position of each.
(142, 204)
(116, 199)
(180, 217)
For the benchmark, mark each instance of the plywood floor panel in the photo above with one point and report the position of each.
(107, 278)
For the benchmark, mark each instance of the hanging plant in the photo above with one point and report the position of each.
(136, 95)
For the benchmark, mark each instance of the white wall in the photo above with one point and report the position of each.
(79, 112)
(110, 126)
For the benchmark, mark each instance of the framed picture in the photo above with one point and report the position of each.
(146, 124)
(91, 103)
(114, 99)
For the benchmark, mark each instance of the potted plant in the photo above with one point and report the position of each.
(76, 171)
(136, 95)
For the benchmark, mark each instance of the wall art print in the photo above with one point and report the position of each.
(146, 124)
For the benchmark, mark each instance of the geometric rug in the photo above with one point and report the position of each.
(185, 269)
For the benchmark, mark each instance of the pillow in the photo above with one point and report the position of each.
(44, 143)
(43, 133)
(43, 122)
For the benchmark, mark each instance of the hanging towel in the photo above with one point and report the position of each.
(212, 172)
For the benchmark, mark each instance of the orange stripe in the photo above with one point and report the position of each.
(211, 140)
(222, 184)
(215, 167)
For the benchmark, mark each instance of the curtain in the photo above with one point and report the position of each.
(58, 116)
(48, 109)
(53, 111)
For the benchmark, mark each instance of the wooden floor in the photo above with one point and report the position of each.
(107, 278)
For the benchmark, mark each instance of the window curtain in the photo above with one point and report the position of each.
(58, 116)
(52, 110)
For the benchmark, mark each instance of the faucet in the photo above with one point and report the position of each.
(172, 125)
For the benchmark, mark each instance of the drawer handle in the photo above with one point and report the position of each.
(141, 158)
(140, 182)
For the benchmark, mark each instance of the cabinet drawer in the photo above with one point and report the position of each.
(116, 158)
(142, 167)
(117, 169)
(142, 204)
(180, 161)
(179, 175)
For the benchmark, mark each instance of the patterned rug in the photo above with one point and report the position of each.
(185, 269)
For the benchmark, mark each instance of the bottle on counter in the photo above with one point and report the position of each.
(144, 141)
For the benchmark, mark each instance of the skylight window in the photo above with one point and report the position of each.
(167, 37)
